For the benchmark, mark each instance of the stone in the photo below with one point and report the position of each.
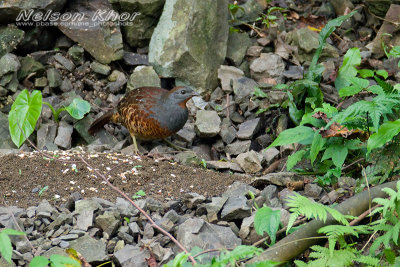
(280, 179)
(226, 74)
(76, 53)
(312, 190)
(197, 232)
(267, 66)
(248, 129)
(294, 72)
(9, 63)
(228, 132)
(223, 165)
(92, 250)
(143, 76)
(28, 66)
(283, 196)
(102, 40)
(64, 135)
(126, 209)
(181, 44)
(270, 155)
(139, 31)
(133, 59)
(238, 147)
(44, 206)
(107, 222)
(46, 135)
(192, 200)
(10, 37)
(84, 220)
(238, 42)
(243, 88)
(250, 161)
(54, 78)
(66, 85)
(254, 51)
(5, 138)
(85, 205)
(153, 204)
(239, 189)
(117, 81)
(186, 134)
(62, 219)
(214, 208)
(130, 256)
(207, 123)
(235, 208)
(65, 62)
(100, 68)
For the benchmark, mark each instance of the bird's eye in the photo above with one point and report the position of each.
(183, 92)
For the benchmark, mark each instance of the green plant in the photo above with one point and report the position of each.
(54, 261)
(267, 220)
(139, 194)
(5, 243)
(26, 109)
(42, 190)
(267, 19)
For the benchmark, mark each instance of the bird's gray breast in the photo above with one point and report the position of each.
(173, 117)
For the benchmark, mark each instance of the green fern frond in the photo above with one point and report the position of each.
(342, 257)
(368, 260)
(240, 252)
(387, 87)
(336, 231)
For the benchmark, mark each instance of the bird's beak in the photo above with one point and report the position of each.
(194, 93)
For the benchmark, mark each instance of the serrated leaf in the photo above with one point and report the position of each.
(294, 159)
(5, 247)
(39, 261)
(299, 134)
(351, 59)
(267, 220)
(78, 108)
(349, 90)
(25, 112)
(316, 146)
(385, 133)
(376, 89)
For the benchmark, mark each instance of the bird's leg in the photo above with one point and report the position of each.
(179, 148)
(135, 147)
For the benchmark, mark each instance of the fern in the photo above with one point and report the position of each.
(300, 205)
(335, 231)
(239, 253)
(387, 87)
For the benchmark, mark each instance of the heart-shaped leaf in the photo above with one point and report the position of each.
(78, 108)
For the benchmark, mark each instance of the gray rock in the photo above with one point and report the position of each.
(267, 66)
(68, 237)
(143, 76)
(283, 196)
(223, 165)
(294, 72)
(62, 219)
(124, 235)
(84, 220)
(238, 147)
(312, 190)
(65, 62)
(117, 81)
(187, 158)
(239, 189)
(126, 208)
(207, 123)
(226, 74)
(148, 231)
(214, 208)
(100, 68)
(102, 136)
(108, 222)
(85, 205)
(280, 179)
(235, 208)
(196, 232)
(246, 226)
(92, 250)
(44, 206)
(250, 161)
(65, 86)
(131, 256)
(76, 53)
(46, 135)
(251, 10)
(53, 251)
(54, 78)
(248, 128)
(254, 51)
(29, 65)
(9, 63)
(133, 59)
(64, 135)
(134, 229)
(192, 200)
(228, 132)
(276, 96)
(186, 134)
(180, 45)
(5, 138)
(102, 40)
(154, 205)
(243, 88)
(270, 155)
(238, 42)
(10, 36)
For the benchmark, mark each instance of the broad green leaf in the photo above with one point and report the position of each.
(294, 159)
(376, 89)
(363, 83)
(9, 231)
(316, 146)
(5, 247)
(338, 153)
(351, 59)
(267, 220)
(59, 260)
(25, 112)
(39, 261)
(299, 134)
(382, 73)
(386, 132)
(349, 90)
(365, 73)
(78, 108)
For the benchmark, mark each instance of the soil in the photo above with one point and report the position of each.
(28, 178)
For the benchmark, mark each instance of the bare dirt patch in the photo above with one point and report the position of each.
(23, 176)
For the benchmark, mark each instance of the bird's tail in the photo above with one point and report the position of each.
(100, 122)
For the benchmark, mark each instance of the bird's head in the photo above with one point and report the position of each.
(180, 95)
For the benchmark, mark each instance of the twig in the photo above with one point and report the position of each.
(227, 105)
(210, 250)
(351, 164)
(363, 215)
(152, 223)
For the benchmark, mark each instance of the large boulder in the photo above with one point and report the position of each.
(138, 33)
(190, 41)
(101, 39)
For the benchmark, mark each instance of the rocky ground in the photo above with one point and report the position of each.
(200, 196)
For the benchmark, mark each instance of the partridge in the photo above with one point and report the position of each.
(149, 113)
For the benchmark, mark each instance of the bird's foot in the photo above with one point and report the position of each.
(179, 148)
